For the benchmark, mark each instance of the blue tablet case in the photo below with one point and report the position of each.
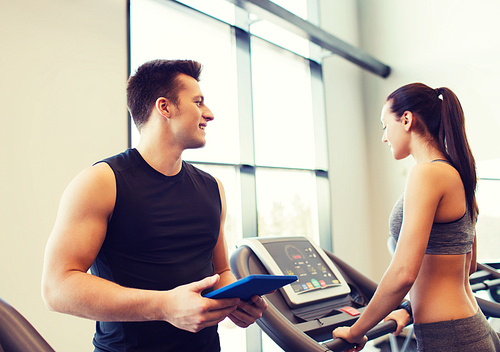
(252, 285)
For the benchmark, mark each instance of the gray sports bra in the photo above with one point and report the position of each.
(454, 237)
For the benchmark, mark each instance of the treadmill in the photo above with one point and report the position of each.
(329, 293)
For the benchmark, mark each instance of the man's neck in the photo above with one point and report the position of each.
(161, 158)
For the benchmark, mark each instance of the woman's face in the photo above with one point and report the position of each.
(395, 133)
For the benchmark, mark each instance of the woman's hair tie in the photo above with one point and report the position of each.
(438, 93)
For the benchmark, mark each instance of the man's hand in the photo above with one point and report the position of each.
(186, 309)
(248, 312)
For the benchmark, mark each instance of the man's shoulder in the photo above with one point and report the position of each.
(193, 170)
(122, 160)
(196, 172)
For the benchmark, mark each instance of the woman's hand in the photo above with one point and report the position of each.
(345, 334)
(401, 317)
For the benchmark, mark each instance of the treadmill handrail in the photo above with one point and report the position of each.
(489, 308)
(495, 273)
(17, 333)
(271, 314)
(272, 317)
(380, 330)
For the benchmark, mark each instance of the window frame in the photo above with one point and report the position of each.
(247, 166)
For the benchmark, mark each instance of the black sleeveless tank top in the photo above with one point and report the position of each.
(161, 235)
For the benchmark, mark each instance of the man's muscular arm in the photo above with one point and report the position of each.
(78, 234)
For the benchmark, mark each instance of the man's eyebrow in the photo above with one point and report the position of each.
(200, 97)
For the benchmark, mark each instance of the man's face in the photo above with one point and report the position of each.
(190, 117)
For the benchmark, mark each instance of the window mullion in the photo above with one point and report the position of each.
(319, 121)
(246, 133)
(245, 109)
(247, 155)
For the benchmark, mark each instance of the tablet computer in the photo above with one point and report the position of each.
(252, 285)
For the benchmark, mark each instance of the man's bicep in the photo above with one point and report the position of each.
(81, 222)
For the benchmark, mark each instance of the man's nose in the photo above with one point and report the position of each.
(207, 114)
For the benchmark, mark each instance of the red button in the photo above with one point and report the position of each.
(351, 311)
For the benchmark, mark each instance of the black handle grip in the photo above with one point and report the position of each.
(338, 345)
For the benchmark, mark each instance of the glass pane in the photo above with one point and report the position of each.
(281, 37)
(297, 7)
(164, 32)
(220, 9)
(229, 177)
(488, 224)
(268, 345)
(283, 118)
(488, 169)
(232, 338)
(286, 203)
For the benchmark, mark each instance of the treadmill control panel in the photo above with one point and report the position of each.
(319, 278)
(301, 259)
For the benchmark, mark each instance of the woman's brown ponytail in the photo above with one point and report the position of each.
(453, 141)
(440, 116)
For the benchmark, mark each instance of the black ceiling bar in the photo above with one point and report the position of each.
(269, 11)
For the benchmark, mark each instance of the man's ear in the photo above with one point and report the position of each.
(164, 107)
(408, 120)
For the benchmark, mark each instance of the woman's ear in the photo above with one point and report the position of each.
(408, 120)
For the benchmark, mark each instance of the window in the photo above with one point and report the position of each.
(283, 119)
(267, 143)
(488, 224)
(286, 203)
(202, 39)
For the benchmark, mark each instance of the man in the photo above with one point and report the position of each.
(150, 228)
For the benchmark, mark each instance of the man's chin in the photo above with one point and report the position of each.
(196, 146)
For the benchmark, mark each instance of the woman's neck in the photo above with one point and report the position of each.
(424, 152)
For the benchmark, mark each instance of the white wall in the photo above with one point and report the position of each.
(63, 71)
(437, 42)
(440, 43)
(347, 141)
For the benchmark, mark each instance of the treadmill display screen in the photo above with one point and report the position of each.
(301, 259)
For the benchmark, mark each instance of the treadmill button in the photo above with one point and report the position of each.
(351, 311)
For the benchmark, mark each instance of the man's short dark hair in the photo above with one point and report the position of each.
(156, 79)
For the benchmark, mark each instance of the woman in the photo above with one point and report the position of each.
(436, 244)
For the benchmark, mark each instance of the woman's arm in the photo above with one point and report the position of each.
(423, 193)
(473, 261)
